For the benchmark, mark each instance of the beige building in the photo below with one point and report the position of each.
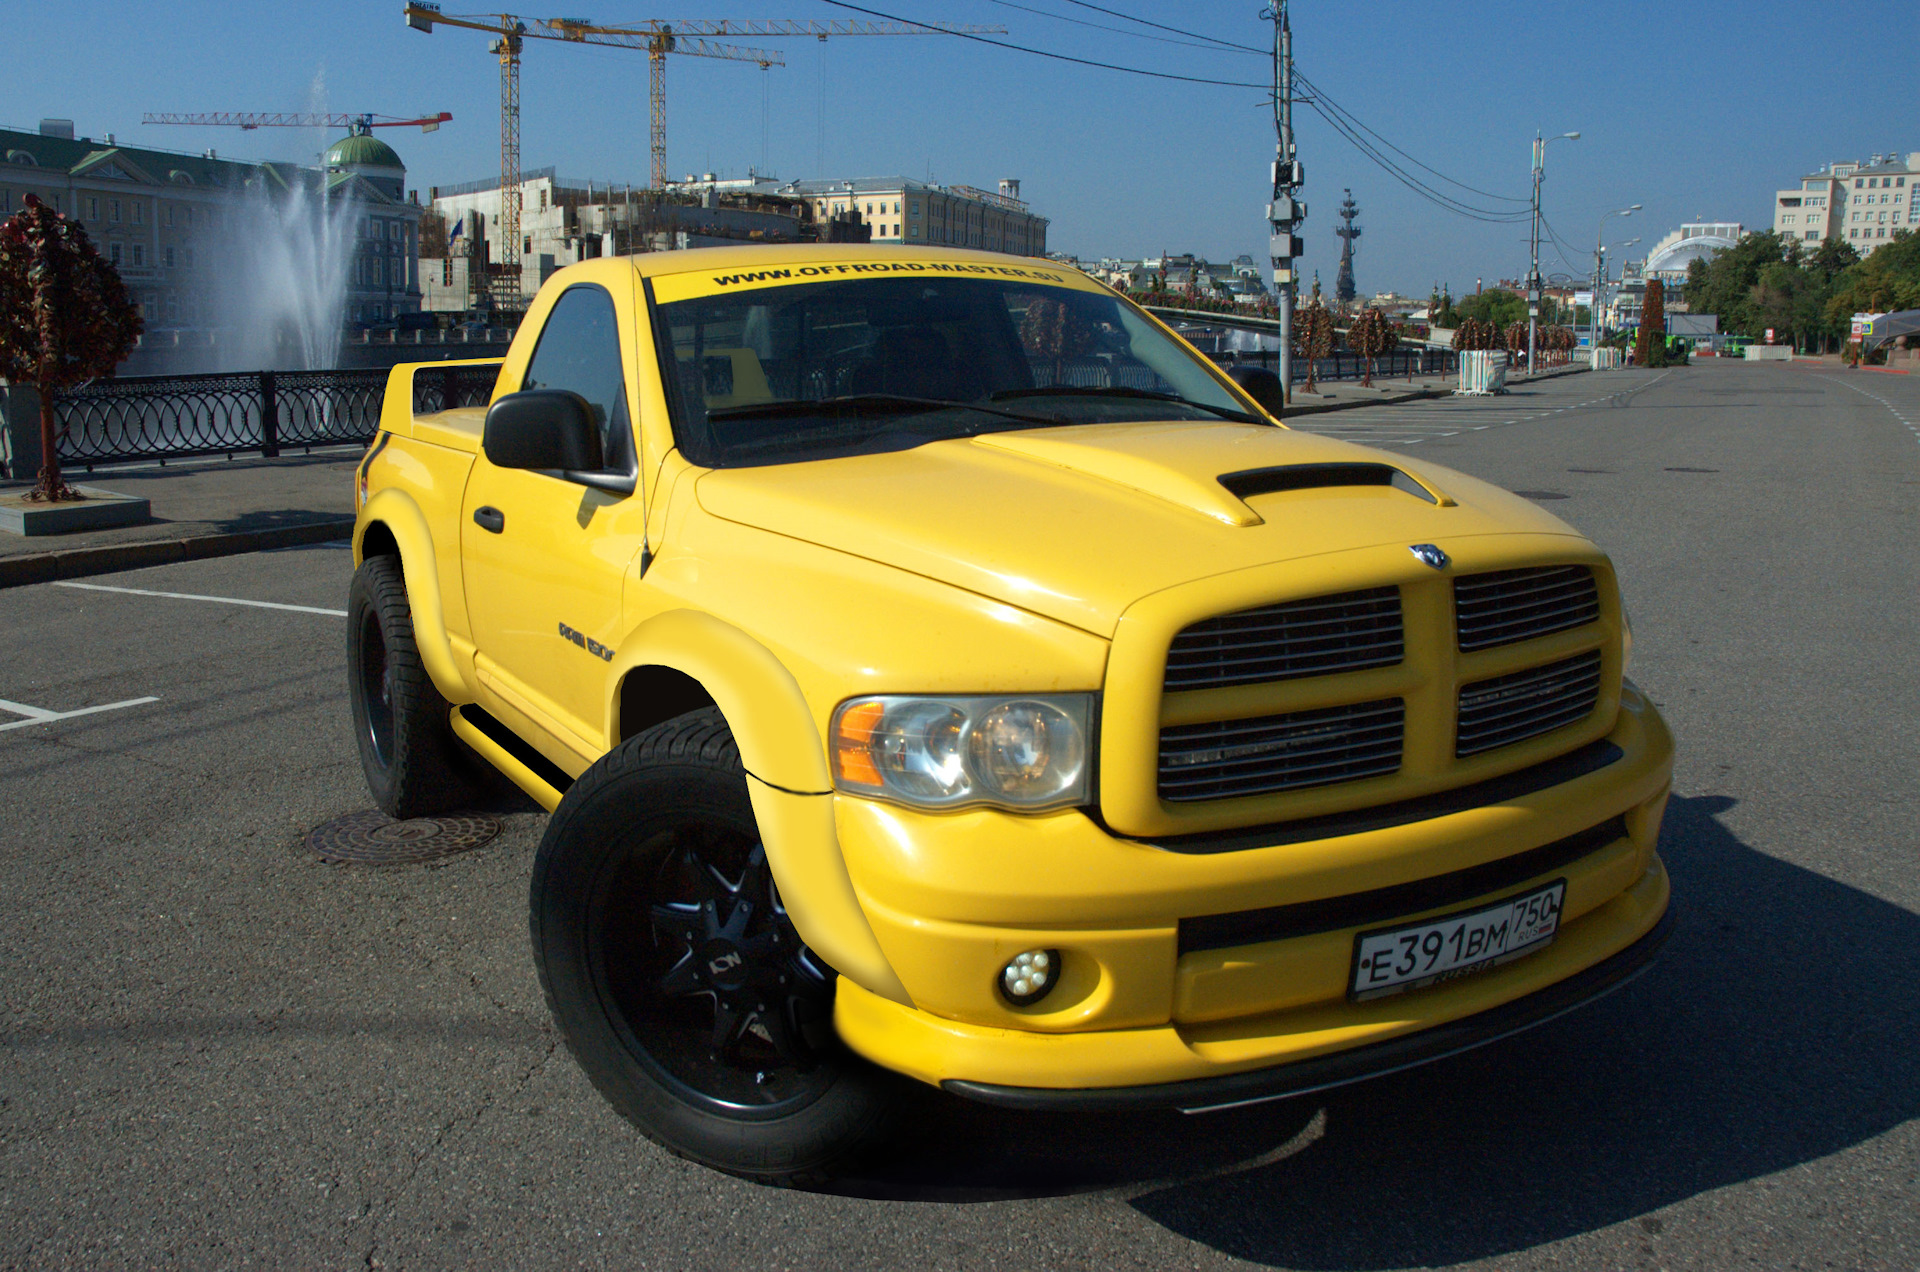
(1863, 203)
(1879, 200)
(1811, 212)
(902, 210)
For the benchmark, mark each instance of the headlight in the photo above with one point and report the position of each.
(1027, 752)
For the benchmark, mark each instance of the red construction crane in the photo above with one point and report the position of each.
(357, 124)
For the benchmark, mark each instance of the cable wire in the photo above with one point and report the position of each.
(1214, 46)
(1355, 121)
(1058, 57)
(1128, 17)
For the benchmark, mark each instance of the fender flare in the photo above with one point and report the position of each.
(408, 525)
(787, 780)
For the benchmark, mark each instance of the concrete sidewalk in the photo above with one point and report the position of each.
(1343, 395)
(201, 508)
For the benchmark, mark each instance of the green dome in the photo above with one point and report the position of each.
(362, 151)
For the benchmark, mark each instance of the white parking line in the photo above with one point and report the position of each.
(189, 596)
(37, 715)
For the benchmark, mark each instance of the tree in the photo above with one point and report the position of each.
(1372, 336)
(1884, 282)
(1650, 347)
(1313, 335)
(64, 319)
(1495, 305)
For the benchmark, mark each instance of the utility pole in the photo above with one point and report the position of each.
(1284, 214)
(1533, 275)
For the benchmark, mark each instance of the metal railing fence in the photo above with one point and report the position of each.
(1344, 364)
(182, 416)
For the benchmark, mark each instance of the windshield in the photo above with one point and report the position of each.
(814, 370)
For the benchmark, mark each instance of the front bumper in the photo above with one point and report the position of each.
(1300, 1077)
(1146, 1001)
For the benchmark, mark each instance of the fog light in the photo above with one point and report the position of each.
(1029, 977)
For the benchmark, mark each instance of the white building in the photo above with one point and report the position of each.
(1693, 241)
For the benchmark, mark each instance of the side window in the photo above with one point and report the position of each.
(579, 351)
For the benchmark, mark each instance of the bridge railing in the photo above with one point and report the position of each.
(263, 412)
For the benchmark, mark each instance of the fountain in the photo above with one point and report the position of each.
(283, 303)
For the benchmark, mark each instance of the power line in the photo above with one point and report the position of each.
(1101, 26)
(1351, 117)
(1059, 57)
(1437, 197)
(1127, 17)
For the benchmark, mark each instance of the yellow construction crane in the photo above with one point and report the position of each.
(656, 39)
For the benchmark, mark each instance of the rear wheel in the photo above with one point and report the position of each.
(407, 748)
(675, 973)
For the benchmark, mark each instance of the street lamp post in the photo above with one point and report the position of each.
(1599, 273)
(1533, 278)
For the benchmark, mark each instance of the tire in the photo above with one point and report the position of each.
(412, 760)
(675, 975)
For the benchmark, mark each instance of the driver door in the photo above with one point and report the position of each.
(546, 558)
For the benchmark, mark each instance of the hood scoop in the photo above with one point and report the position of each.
(1145, 470)
(1249, 482)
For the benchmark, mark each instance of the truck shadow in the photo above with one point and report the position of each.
(1776, 1029)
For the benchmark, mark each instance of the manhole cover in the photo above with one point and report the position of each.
(1539, 494)
(372, 838)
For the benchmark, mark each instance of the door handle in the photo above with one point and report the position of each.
(490, 519)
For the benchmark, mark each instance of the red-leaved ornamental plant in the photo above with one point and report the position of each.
(1312, 335)
(64, 319)
(1372, 336)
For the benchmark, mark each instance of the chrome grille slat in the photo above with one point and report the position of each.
(1385, 735)
(1535, 704)
(1395, 645)
(1305, 748)
(1319, 636)
(1506, 606)
(1525, 704)
(1233, 730)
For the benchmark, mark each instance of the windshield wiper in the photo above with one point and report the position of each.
(1120, 391)
(860, 404)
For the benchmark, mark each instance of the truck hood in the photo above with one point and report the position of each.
(1076, 523)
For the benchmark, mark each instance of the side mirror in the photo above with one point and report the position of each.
(1260, 384)
(542, 428)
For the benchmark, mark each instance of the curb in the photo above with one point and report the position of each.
(47, 567)
(1317, 408)
(1415, 396)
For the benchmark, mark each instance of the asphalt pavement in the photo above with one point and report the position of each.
(216, 1050)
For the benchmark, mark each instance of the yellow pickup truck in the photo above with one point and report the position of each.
(937, 669)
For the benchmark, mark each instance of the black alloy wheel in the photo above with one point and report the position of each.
(704, 969)
(676, 975)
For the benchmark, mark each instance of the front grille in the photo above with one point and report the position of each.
(1513, 605)
(1526, 703)
(1226, 758)
(1317, 637)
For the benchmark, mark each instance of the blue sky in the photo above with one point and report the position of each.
(1697, 111)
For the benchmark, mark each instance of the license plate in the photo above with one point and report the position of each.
(1395, 960)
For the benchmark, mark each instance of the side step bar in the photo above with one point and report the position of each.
(530, 771)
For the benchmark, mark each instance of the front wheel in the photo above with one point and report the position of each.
(676, 976)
